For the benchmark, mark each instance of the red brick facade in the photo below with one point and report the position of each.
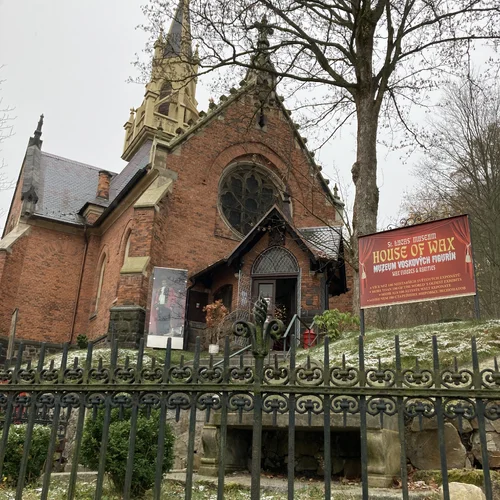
(53, 272)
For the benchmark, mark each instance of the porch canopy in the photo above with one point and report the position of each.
(323, 246)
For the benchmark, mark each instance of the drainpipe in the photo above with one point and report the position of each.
(80, 280)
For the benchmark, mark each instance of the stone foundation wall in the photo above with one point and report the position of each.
(463, 448)
(126, 325)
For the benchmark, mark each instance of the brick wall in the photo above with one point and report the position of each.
(344, 302)
(41, 278)
(190, 233)
(116, 288)
(184, 231)
(11, 268)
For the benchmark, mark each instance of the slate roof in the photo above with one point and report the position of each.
(325, 241)
(138, 162)
(64, 186)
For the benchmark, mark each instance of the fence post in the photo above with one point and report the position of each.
(260, 334)
(401, 419)
(440, 420)
(481, 422)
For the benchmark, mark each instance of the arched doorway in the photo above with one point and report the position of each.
(275, 275)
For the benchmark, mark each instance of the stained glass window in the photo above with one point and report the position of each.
(275, 260)
(246, 194)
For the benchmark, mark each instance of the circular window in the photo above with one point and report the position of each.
(246, 193)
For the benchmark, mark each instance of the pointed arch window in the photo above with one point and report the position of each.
(165, 92)
(127, 246)
(275, 260)
(102, 270)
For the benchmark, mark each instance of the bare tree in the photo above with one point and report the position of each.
(361, 58)
(461, 174)
(5, 132)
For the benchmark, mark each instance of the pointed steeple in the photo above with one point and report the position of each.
(36, 139)
(31, 171)
(169, 104)
(178, 41)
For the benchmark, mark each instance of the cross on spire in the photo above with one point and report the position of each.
(264, 31)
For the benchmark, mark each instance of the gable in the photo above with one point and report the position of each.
(319, 244)
(252, 120)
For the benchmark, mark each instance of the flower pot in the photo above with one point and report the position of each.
(308, 338)
(213, 349)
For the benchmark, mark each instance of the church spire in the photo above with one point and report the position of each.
(169, 105)
(178, 41)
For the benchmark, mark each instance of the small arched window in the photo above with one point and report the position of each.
(100, 283)
(127, 246)
(165, 91)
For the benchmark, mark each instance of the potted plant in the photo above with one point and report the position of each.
(215, 314)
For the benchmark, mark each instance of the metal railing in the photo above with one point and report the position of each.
(284, 339)
(294, 319)
(331, 393)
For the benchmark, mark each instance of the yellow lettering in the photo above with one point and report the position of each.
(433, 246)
(450, 243)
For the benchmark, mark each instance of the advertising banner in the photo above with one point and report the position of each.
(412, 264)
(168, 307)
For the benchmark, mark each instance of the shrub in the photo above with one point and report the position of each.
(333, 322)
(146, 446)
(14, 452)
(82, 341)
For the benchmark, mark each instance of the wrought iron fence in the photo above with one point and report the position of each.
(332, 392)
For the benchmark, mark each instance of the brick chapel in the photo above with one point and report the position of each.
(231, 195)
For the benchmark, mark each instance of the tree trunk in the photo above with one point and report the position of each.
(364, 176)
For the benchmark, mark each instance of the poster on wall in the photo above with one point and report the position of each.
(413, 264)
(168, 307)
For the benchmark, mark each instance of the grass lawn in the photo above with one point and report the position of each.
(454, 340)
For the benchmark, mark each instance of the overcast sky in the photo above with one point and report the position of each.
(70, 60)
